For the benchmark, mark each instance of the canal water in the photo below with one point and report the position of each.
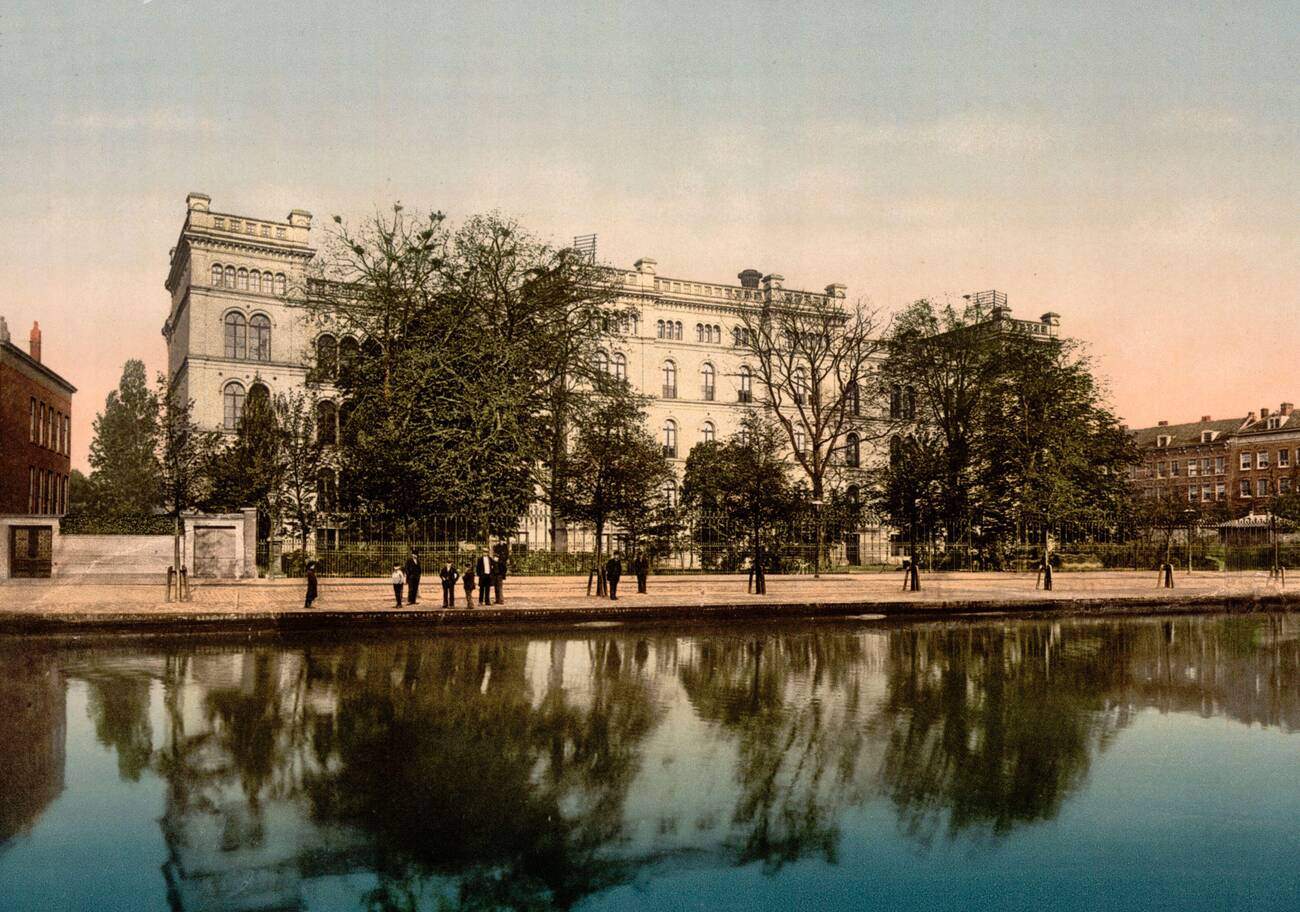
(1093, 764)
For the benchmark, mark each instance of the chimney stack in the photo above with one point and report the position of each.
(1263, 413)
(1205, 419)
(1250, 418)
(749, 278)
(1285, 409)
(4, 330)
(1162, 424)
(34, 342)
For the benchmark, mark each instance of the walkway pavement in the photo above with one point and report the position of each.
(70, 604)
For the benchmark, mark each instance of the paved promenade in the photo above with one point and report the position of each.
(71, 605)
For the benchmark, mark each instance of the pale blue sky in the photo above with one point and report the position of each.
(1132, 166)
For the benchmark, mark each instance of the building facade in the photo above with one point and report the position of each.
(1241, 463)
(35, 430)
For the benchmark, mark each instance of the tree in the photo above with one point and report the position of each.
(303, 462)
(816, 359)
(908, 485)
(743, 487)
(248, 472)
(185, 451)
(123, 453)
(616, 470)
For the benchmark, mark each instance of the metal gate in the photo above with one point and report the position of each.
(31, 551)
(214, 552)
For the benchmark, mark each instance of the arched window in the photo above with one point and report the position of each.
(707, 377)
(659, 329)
(717, 334)
(620, 366)
(236, 336)
(232, 398)
(670, 438)
(895, 451)
(327, 422)
(709, 433)
(746, 380)
(216, 275)
(800, 386)
(852, 399)
(699, 332)
(372, 349)
(254, 281)
(678, 327)
(853, 494)
(852, 451)
(259, 337)
(230, 277)
(800, 441)
(258, 395)
(241, 280)
(601, 362)
(327, 352)
(670, 380)
(349, 351)
(280, 284)
(267, 279)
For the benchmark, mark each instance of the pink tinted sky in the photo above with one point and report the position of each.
(1134, 170)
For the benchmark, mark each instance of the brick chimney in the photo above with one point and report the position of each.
(4, 330)
(34, 342)
(1285, 409)
(1205, 419)
(1250, 418)
(1162, 424)
(1263, 413)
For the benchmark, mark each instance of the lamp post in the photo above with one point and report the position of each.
(817, 557)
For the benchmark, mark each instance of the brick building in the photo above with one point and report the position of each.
(1240, 462)
(35, 430)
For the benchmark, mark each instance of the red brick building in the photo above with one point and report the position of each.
(35, 431)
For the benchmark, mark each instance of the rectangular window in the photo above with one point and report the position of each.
(1191, 493)
(1220, 491)
(1284, 459)
(1175, 468)
(1220, 465)
(1245, 487)
(1205, 466)
(1245, 461)
(1261, 487)
(1192, 468)
(1207, 493)
(31, 489)
(1284, 486)
(1261, 459)
(1160, 470)
(40, 426)
(32, 435)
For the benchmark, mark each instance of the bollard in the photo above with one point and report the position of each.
(171, 576)
(183, 585)
(1047, 576)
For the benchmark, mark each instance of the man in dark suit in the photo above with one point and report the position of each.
(483, 570)
(499, 572)
(412, 571)
(641, 567)
(613, 570)
(448, 575)
(311, 584)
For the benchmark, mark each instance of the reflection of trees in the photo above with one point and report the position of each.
(793, 704)
(992, 727)
(32, 736)
(451, 768)
(118, 704)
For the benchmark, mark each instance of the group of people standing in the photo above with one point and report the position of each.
(489, 573)
(639, 566)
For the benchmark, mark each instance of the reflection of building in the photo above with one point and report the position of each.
(33, 734)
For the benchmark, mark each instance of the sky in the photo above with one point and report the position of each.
(1134, 167)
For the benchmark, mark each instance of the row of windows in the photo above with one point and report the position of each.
(50, 428)
(241, 279)
(333, 353)
(1218, 465)
(247, 227)
(234, 398)
(1261, 459)
(850, 453)
(707, 333)
(47, 492)
(1263, 487)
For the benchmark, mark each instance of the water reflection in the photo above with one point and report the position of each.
(506, 772)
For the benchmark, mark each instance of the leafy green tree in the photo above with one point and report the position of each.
(248, 471)
(184, 451)
(123, 453)
(616, 470)
(742, 487)
(304, 459)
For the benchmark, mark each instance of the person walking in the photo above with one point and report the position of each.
(483, 567)
(499, 572)
(412, 571)
(398, 580)
(641, 567)
(613, 570)
(448, 575)
(469, 586)
(311, 584)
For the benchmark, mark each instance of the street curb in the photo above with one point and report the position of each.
(323, 620)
